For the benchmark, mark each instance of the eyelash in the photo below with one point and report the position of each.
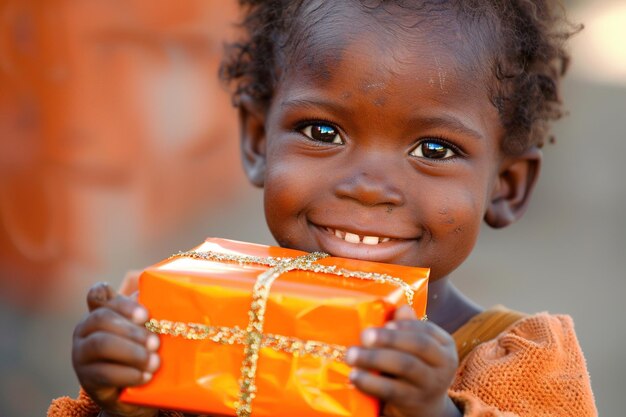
(439, 141)
(310, 123)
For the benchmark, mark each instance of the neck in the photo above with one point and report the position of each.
(448, 307)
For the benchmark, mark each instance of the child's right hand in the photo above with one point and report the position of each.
(112, 349)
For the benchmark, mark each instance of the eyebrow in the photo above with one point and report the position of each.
(446, 121)
(452, 123)
(316, 104)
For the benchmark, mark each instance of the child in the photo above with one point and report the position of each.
(387, 131)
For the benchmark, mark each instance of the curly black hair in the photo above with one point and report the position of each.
(527, 58)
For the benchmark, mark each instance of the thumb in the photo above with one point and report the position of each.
(404, 312)
(99, 294)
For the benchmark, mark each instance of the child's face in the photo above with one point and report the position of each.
(385, 151)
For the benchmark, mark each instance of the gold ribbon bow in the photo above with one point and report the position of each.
(253, 337)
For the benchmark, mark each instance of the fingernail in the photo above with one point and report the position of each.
(153, 362)
(392, 325)
(351, 355)
(99, 292)
(354, 375)
(153, 342)
(406, 312)
(146, 376)
(368, 337)
(140, 315)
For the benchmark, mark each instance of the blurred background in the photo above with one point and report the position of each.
(118, 147)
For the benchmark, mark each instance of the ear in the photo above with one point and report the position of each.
(512, 190)
(253, 141)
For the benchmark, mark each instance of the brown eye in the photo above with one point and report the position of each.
(323, 133)
(431, 149)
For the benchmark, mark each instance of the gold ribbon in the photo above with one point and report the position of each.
(237, 336)
(253, 337)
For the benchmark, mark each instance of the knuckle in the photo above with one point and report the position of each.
(407, 324)
(431, 328)
(388, 337)
(94, 377)
(137, 332)
(408, 365)
(124, 305)
(99, 343)
(103, 317)
(137, 377)
(102, 379)
(385, 394)
(100, 314)
(439, 334)
(447, 339)
(139, 354)
(78, 330)
(453, 357)
(389, 393)
(77, 354)
(370, 356)
(419, 342)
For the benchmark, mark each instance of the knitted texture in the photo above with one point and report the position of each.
(83, 406)
(535, 368)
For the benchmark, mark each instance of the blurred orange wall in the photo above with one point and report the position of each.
(114, 130)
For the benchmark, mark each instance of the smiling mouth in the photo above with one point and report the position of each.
(355, 238)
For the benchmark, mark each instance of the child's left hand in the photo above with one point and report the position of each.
(409, 365)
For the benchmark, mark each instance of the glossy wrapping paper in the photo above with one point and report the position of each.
(203, 376)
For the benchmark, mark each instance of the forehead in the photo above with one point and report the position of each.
(324, 31)
(393, 76)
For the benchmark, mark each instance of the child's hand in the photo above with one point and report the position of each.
(415, 363)
(112, 350)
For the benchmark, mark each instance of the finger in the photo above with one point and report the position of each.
(105, 347)
(404, 312)
(428, 327)
(99, 294)
(112, 375)
(382, 387)
(390, 362)
(129, 307)
(109, 321)
(416, 342)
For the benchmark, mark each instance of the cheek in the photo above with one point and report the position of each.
(454, 225)
(286, 193)
(453, 208)
(460, 216)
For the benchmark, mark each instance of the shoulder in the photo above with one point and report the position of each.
(537, 340)
(543, 333)
(536, 364)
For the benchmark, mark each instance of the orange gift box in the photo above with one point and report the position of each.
(248, 329)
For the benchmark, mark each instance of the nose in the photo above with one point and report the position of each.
(370, 189)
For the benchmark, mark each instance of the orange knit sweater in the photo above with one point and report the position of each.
(534, 368)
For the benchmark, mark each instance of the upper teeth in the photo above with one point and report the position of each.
(354, 238)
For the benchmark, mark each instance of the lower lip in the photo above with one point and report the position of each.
(388, 252)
